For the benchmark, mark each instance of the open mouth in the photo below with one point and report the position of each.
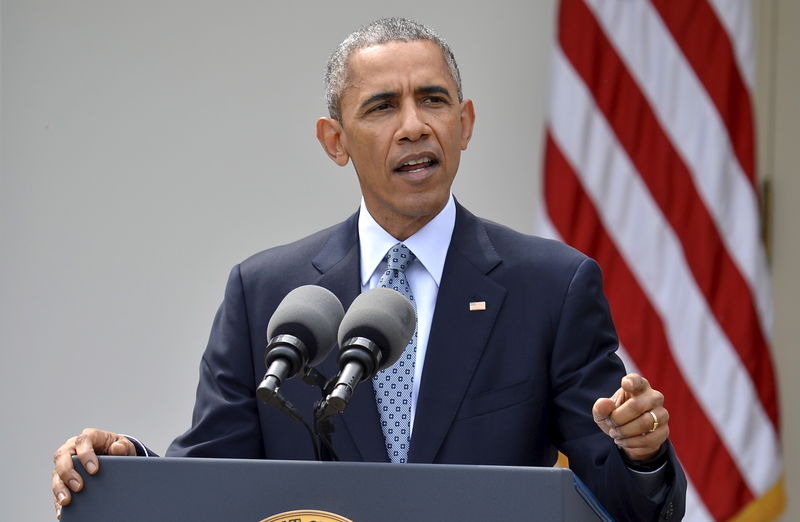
(417, 165)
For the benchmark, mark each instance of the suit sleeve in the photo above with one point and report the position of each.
(585, 367)
(225, 420)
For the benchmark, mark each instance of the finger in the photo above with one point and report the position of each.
(645, 423)
(643, 447)
(64, 468)
(635, 384)
(601, 412)
(619, 397)
(602, 409)
(122, 447)
(61, 493)
(88, 444)
(637, 405)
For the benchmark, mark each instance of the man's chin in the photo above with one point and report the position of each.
(424, 206)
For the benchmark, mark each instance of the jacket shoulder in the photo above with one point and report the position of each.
(527, 251)
(300, 259)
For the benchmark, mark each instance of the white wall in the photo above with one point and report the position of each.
(148, 146)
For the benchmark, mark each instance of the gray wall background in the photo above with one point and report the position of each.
(148, 146)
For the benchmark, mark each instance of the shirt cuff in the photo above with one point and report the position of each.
(650, 465)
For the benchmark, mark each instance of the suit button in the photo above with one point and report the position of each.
(668, 511)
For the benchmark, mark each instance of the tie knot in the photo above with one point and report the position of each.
(399, 257)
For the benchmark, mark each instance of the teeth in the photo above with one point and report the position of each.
(417, 162)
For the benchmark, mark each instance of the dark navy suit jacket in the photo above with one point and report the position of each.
(505, 386)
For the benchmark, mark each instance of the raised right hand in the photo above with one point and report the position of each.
(90, 443)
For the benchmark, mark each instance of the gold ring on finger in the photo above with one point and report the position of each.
(655, 421)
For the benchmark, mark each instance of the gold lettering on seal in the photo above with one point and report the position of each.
(306, 515)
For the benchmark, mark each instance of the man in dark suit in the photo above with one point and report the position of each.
(514, 353)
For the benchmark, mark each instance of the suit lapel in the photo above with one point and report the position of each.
(338, 260)
(456, 342)
(458, 336)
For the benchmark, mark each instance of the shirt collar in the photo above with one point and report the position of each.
(429, 244)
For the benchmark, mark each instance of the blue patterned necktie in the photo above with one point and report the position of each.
(394, 385)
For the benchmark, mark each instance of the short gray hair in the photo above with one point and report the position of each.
(379, 32)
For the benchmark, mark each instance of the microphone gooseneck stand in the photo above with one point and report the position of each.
(322, 428)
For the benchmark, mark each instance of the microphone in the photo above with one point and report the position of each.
(372, 336)
(301, 332)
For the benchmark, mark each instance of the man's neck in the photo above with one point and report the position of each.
(430, 243)
(403, 227)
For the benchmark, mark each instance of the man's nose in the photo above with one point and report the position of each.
(413, 126)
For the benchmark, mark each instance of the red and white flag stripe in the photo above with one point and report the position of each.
(649, 168)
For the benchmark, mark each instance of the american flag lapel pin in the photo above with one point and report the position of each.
(477, 306)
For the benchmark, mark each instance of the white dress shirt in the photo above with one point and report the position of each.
(429, 244)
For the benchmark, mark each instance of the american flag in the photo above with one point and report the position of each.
(649, 168)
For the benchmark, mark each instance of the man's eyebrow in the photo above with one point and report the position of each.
(379, 97)
(433, 89)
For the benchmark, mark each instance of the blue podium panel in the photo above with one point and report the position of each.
(198, 490)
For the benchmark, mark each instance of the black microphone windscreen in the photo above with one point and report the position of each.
(383, 316)
(312, 314)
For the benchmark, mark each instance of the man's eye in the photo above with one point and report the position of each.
(381, 107)
(434, 99)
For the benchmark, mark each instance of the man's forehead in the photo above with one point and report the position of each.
(394, 54)
(418, 60)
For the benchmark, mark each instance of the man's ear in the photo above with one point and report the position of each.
(329, 134)
(467, 122)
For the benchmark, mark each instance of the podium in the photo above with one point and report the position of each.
(232, 490)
